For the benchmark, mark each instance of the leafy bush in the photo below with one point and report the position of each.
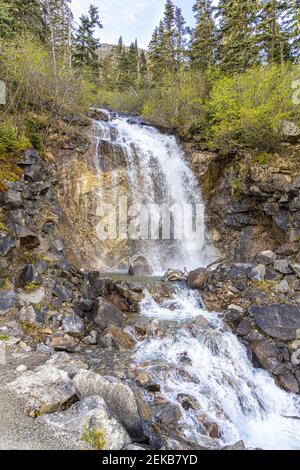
(248, 109)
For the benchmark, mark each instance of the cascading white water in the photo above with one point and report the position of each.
(158, 175)
(244, 401)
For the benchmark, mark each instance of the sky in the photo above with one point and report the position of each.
(130, 18)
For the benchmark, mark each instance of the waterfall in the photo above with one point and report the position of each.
(206, 362)
(157, 178)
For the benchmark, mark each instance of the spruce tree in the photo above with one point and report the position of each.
(155, 53)
(237, 47)
(203, 45)
(168, 37)
(85, 44)
(180, 38)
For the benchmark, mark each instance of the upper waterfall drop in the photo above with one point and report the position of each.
(150, 169)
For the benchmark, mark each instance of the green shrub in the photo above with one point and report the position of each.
(248, 109)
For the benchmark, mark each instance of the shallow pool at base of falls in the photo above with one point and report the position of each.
(245, 402)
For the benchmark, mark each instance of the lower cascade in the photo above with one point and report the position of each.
(206, 365)
(196, 361)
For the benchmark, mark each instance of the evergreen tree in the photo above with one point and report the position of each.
(203, 46)
(237, 40)
(180, 38)
(18, 16)
(85, 44)
(143, 69)
(278, 30)
(168, 37)
(133, 64)
(155, 53)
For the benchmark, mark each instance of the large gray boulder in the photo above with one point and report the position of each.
(197, 279)
(118, 397)
(89, 425)
(280, 321)
(73, 325)
(107, 314)
(140, 266)
(6, 244)
(44, 390)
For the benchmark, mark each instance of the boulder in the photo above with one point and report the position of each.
(263, 351)
(99, 114)
(118, 397)
(8, 299)
(12, 199)
(34, 297)
(73, 325)
(106, 314)
(62, 342)
(280, 321)
(61, 292)
(266, 257)
(6, 245)
(29, 157)
(240, 445)
(288, 382)
(28, 315)
(169, 416)
(140, 266)
(29, 275)
(114, 337)
(197, 279)
(296, 269)
(69, 364)
(44, 390)
(257, 273)
(90, 425)
(283, 266)
(290, 131)
(174, 275)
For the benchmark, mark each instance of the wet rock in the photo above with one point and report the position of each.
(117, 338)
(106, 314)
(296, 358)
(267, 257)
(169, 416)
(211, 428)
(244, 327)
(283, 266)
(280, 321)
(289, 383)
(89, 424)
(240, 445)
(69, 364)
(197, 279)
(45, 390)
(188, 402)
(73, 325)
(6, 245)
(8, 299)
(173, 275)
(118, 397)
(99, 114)
(63, 343)
(29, 275)
(263, 351)
(140, 266)
(160, 292)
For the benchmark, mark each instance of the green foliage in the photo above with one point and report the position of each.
(94, 438)
(4, 337)
(12, 143)
(204, 41)
(248, 109)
